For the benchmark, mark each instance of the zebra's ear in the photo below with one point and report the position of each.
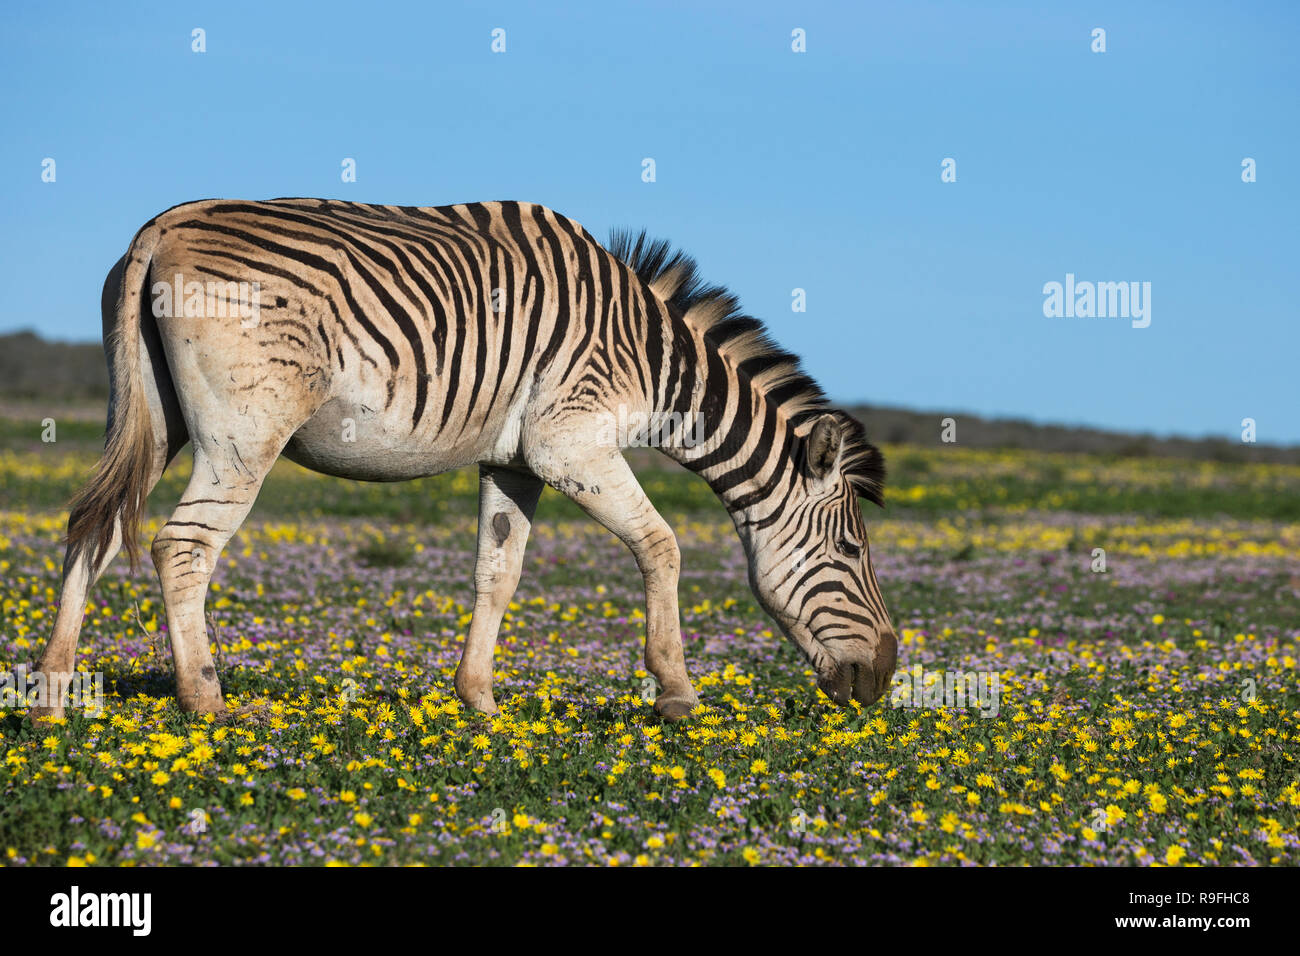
(824, 445)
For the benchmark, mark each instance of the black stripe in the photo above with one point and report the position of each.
(399, 315)
(314, 262)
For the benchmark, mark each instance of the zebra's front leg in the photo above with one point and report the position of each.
(600, 481)
(506, 502)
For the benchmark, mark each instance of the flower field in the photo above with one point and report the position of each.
(1148, 713)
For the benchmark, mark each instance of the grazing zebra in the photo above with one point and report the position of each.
(498, 334)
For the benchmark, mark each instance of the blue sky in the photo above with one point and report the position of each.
(777, 170)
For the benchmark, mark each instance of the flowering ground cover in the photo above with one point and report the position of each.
(1146, 714)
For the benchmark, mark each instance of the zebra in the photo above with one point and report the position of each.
(495, 334)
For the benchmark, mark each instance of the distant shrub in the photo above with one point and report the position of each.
(386, 554)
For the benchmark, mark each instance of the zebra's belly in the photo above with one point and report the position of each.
(347, 440)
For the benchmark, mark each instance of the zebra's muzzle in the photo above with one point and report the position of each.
(871, 681)
(838, 684)
(865, 681)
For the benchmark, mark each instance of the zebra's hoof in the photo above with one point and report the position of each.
(479, 700)
(673, 709)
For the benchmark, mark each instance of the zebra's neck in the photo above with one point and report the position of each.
(714, 420)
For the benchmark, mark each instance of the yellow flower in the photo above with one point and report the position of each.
(1174, 855)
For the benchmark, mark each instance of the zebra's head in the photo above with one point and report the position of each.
(811, 567)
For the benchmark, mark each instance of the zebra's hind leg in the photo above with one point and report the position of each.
(600, 481)
(226, 479)
(165, 438)
(506, 502)
(59, 660)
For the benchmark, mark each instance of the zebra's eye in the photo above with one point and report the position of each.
(849, 549)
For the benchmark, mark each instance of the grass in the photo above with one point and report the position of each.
(1147, 713)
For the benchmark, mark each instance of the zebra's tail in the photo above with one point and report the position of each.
(116, 494)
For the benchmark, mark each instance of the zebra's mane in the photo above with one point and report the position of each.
(775, 373)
